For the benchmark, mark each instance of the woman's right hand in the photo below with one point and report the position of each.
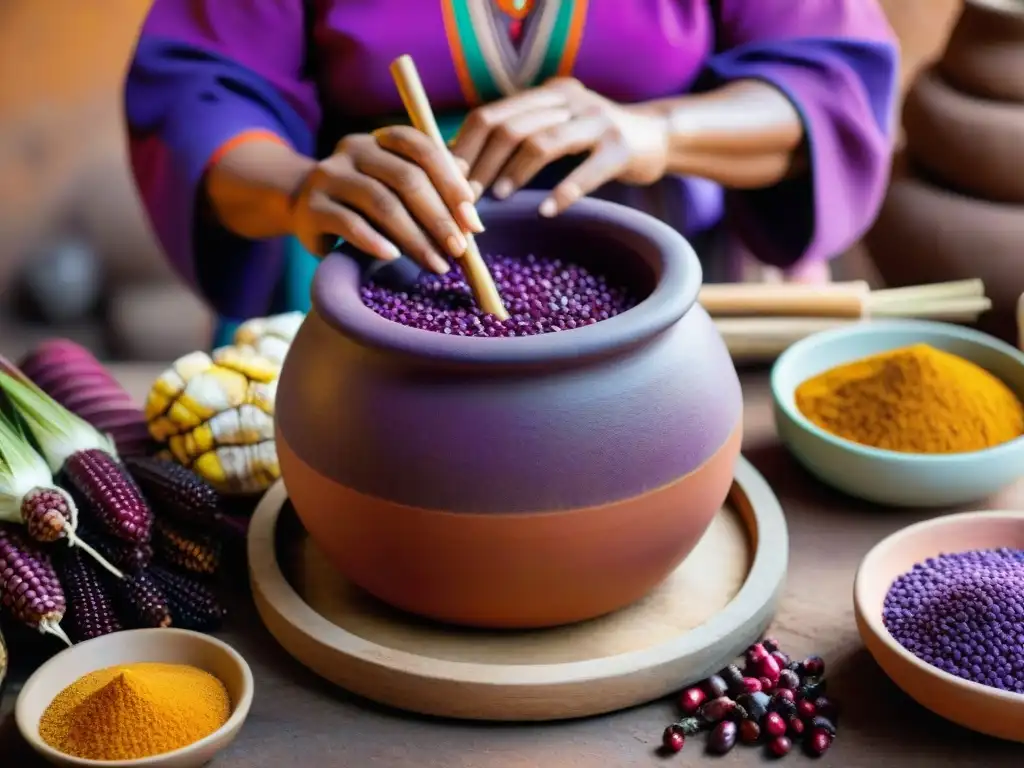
(389, 193)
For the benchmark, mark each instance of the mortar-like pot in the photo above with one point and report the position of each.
(515, 482)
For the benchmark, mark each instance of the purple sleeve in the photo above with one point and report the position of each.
(838, 62)
(204, 72)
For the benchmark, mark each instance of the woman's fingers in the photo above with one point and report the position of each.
(327, 216)
(383, 208)
(415, 188)
(605, 163)
(476, 130)
(506, 138)
(440, 174)
(545, 147)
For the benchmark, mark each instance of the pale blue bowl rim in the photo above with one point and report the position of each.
(874, 327)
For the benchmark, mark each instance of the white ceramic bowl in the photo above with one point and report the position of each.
(167, 646)
(890, 477)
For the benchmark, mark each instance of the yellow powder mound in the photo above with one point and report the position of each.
(136, 711)
(915, 399)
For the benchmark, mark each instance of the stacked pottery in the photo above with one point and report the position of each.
(955, 208)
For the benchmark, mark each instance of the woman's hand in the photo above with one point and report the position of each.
(389, 193)
(508, 142)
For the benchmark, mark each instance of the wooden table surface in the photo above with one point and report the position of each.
(296, 718)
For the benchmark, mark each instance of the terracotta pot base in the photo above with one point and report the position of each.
(975, 145)
(509, 570)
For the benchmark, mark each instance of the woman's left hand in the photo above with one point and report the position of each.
(508, 142)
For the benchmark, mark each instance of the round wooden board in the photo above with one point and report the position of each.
(719, 601)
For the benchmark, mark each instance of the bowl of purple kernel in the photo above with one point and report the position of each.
(537, 471)
(940, 606)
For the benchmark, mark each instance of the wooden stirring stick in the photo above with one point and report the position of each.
(414, 97)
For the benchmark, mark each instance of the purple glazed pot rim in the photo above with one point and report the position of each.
(335, 294)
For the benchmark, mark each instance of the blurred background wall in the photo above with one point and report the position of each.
(65, 189)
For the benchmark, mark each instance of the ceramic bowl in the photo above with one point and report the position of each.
(515, 482)
(890, 477)
(978, 707)
(169, 646)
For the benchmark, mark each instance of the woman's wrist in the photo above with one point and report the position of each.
(251, 187)
(745, 134)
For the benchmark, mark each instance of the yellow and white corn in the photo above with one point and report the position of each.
(215, 413)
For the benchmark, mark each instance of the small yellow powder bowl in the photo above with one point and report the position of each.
(137, 650)
(897, 477)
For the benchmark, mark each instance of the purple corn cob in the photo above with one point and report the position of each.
(193, 605)
(175, 491)
(110, 494)
(123, 555)
(91, 610)
(29, 587)
(48, 513)
(186, 549)
(74, 378)
(144, 600)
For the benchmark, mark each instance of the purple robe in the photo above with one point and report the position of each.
(208, 71)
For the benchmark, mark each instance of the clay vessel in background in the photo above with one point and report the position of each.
(974, 145)
(514, 482)
(927, 234)
(985, 55)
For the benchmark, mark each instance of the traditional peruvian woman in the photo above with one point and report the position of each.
(258, 128)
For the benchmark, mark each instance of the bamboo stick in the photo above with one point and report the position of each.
(414, 97)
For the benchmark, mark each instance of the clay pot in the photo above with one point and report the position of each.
(926, 234)
(522, 482)
(985, 54)
(975, 145)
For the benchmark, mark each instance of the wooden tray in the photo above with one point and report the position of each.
(706, 613)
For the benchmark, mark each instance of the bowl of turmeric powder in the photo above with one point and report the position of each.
(158, 698)
(905, 413)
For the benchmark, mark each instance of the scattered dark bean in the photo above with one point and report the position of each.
(751, 685)
(826, 708)
(811, 689)
(722, 738)
(788, 679)
(673, 739)
(733, 680)
(738, 713)
(806, 709)
(690, 700)
(817, 743)
(772, 700)
(715, 687)
(813, 666)
(823, 724)
(781, 658)
(779, 746)
(717, 709)
(773, 725)
(756, 653)
(782, 705)
(750, 732)
(755, 704)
